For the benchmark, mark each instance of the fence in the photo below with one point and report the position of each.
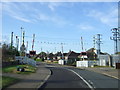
(25, 60)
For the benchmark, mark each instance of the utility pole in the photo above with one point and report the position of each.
(116, 37)
(11, 40)
(17, 42)
(41, 53)
(27, 47)
(23, 45)
(62, 50)
(82, 43)
(94, 42)
(21, 36)
(82, 47)
(98, 42)
(33, 41)
(94, 46)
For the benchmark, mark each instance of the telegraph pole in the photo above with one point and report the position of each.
(94, 42)
(22, 48)
(116, 37)
(33, 41)
(82, 43)
(98, 42)
(27, 47)
(82, 46)
(62, 50)
(21, 36)
(94, 46)
(17, 42)
(11, 40)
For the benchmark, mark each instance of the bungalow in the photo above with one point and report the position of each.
(83, 56)
(71, 55)
(59, 55)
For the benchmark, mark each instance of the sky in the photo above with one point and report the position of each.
(54, 23)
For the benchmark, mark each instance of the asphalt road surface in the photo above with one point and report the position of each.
(69, 77)
(97, 80)
(63, 78)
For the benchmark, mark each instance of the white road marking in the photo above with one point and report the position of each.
(110, 75)
(92, 88)
(82, 79)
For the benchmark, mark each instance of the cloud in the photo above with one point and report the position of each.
(22, 19)
(19, 12)
(42, 17)
(53, 5)
(109, 18)
(85, 27)
(15, 11)
(55, 19)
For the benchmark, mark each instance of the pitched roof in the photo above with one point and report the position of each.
(72, 53)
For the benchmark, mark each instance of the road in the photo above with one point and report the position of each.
(69, 77)
(97, 80)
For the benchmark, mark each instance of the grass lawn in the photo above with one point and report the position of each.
(101, 66)
(40, 60)
(6, 81)
(13, 69)
(55, 61)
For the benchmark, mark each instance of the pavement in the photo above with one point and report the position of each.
(108, 71)
(34, 80)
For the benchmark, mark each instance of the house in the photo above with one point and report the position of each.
(83, 56)
(58, 55)
(71, 55)
(91, 54)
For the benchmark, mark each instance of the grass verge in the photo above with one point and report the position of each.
(39, 60)
(13, 69)
(101, 66)
(6, 81)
